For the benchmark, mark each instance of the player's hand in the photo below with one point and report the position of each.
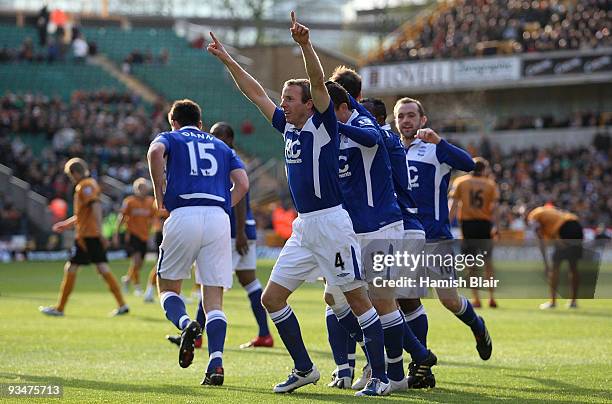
(217, 49)
(494, 233)
(126, 237)
(116, 240)
(59, 227)
(159, 206)
(428, 136)
(242, 243)
(300, 33)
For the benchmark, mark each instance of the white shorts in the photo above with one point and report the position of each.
(414, 243)
(247, 261)
(433, 268)
(199, 234)
(386, 240)
(322, 243)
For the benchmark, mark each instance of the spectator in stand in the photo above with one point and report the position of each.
(11, 220)
(480, 27)
(80, 49)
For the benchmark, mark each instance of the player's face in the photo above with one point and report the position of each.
(296, 111)
(408, 119)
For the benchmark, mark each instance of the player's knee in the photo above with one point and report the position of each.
(102, 269)
(358, 301)
(245, 277)
(409, 305)
(451, 304)
(270, 302)
(70, 267)
(329, 299)
(384, 306)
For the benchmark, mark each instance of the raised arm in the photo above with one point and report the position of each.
(301, 35)
(245, 82)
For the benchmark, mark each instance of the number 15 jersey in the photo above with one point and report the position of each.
(198, 169)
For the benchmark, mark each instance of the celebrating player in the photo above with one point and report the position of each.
(376, 215)
(199, 172)
(430, 161)
(323, 240)
(475, 199)
(137, 212)
(89, 245)
(565, 229)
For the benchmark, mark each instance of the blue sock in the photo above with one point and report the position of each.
(216, 326)
(417, 321)
(175, 310)
(289, 330)
(338, 341)
(374, 343)
(393, 328)
(349, 322)
(201, 316)
(412, 345)
(253, 289)
(469, 317)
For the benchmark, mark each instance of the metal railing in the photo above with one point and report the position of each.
(34, 205)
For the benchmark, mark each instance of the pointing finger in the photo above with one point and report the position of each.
(214, 38)
(293, 21)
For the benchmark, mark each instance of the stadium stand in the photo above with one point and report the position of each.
(189, 73)
(465, 28)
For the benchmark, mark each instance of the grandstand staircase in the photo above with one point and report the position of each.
(131, 82)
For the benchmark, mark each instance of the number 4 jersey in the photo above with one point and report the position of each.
(198, 169)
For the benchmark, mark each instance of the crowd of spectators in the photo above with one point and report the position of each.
(465, 28)
(579, 119)
(575, 179)
(12, 220)
(57, 48)
(137, 57)
(110, 130)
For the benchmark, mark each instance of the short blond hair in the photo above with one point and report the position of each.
(138, 182)
(76, 165)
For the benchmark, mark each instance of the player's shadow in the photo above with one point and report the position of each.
(561, 310)
(101, 385)
(148, 319)
(480, 365)
(315, 353)
(552, 386)
(22, 297)
(566, 388)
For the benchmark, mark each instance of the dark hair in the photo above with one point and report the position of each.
(408, 100)
(222, 128)
(480, 164)
(185, 112)
(338, 94)
(376, 108)
(349, 79)
(304, 84)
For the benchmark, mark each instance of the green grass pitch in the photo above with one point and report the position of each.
(557, 356)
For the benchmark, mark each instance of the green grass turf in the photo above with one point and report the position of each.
(557, 356)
